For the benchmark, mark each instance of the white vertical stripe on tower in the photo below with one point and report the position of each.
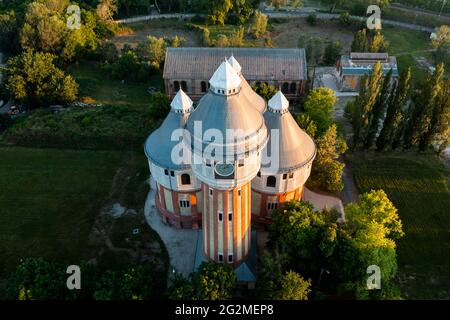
(237, 212)
(211, 216)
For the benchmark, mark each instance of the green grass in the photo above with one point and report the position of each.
(407, 44)
(418, 185)
(95, 83)
(48, 201)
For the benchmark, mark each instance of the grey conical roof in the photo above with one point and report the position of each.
(296, 147)
(159, 144)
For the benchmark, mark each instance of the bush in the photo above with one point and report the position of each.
(105, 127)
(312, 19)
(345, 19)
(5, 122)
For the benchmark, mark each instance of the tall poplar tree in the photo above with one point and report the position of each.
(378, 110)
(370, 88)
(391, 132)
(425, 100)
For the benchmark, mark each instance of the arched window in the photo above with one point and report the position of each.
(184, 86)
(203, 85)
(293, 88)
(285, 87)
(176, 85)
(271, 181)
(185, 179)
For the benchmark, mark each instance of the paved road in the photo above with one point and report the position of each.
(272, 14)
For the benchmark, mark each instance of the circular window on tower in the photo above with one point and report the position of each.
(224, 170)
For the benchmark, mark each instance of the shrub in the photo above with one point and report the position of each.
(312, 19)
(105, 127)
(345, 19)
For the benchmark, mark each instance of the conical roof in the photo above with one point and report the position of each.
(295, 147)
(181, 102)
(225, 78)
(235, 64)
(159, 144)
(279, 103)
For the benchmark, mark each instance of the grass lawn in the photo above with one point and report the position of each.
(95, 83)
(50, 198)
(405, 45)
(418, 185)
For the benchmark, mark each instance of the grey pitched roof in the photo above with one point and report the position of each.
(257, 63)
(158, 146)
(296, 148)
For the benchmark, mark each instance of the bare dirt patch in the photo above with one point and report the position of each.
(286, 35)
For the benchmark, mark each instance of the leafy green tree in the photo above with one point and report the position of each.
(214, 281)
(127, 67)
(177, 41)
(392, 127)
(243, 10)
(219, 10)
(159, 106)
(293, 287)
(36, 279)
(421, 114)
(332, 52)
(319, 106)
(360, 42)
(372, 227)
(106, 9)
(345, 19)
(206, 37)
(369, 90)
(312, 19)
(327, 170)
(378, 43)
(237, 38)
(259, 24)
(307, 124)
(222, 41)
(265, 90)
(33, 79)
(181, 289)
(441, 44)
(378, 110)
(306, 236)
(9, 32)
(153, 50)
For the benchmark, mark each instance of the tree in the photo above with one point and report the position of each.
(222, 41)
(441, 43)
(319, 105)
(345, 19)
(392, 127)
(33, 79)
(36, 279)
(332, 52)
(306, 236)
(218, 11)
(312, 19)
(378, 43)
(106, 9)
(181, 289)
(419, 122)
(378, 110)
(307, 124)
(326, 170)
(45, 30)
(9, 32)
(293, 287)
(360, 42)
(265, 90)
(439, 128)
(259, 24)
(214, 281)
(372, 227)
(159, 106)
(243, 10)
(370, 88)
(153, 50)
